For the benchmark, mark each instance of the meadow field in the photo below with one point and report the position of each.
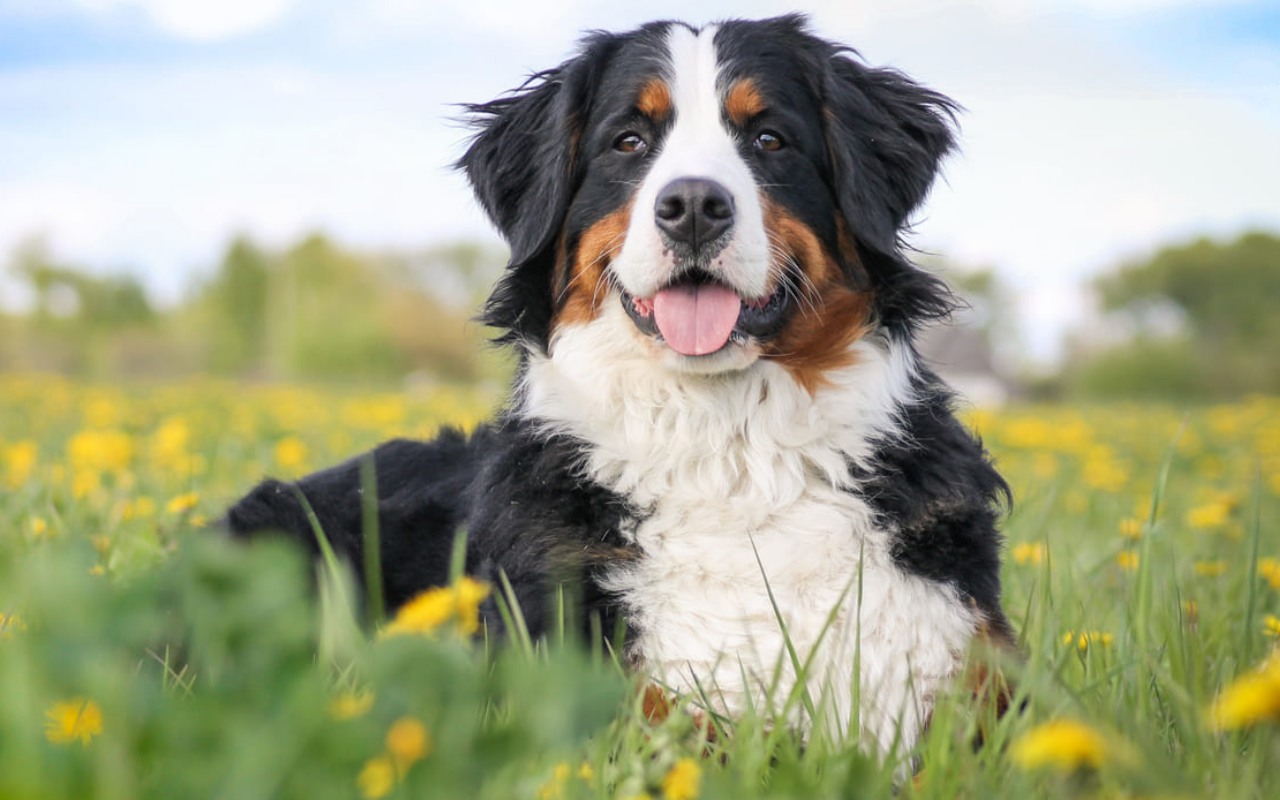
(142, 655)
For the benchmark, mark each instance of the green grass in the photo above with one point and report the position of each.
(215, 666)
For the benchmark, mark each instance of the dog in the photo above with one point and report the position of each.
(720, 438)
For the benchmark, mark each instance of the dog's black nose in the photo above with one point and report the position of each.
(694, 211)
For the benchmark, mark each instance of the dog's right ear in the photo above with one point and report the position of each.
(521, 165)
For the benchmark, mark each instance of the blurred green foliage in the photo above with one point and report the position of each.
(314, 310)
(1199, 321)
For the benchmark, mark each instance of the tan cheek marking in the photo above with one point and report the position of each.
(831, 315)
(654, 100)
(743, 102)
(990, 686)
(587, 285)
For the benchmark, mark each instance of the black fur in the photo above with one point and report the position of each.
(866, 144)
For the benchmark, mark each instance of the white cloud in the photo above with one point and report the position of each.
(200, 19)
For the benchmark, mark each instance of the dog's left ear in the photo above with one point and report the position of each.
(521, 165)
(886, 135)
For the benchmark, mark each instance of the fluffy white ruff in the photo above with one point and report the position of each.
(743, 477)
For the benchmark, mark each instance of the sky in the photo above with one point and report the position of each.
(139, 135)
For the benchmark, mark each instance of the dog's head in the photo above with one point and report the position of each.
(739, 190)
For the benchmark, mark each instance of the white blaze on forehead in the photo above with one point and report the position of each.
(699, 145)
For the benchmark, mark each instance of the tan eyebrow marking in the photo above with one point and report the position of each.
(743, 102)
(654, 100)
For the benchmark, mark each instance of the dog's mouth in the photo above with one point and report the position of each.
(697, 315)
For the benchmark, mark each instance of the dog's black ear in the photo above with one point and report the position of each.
(521, 165)
(887, 136)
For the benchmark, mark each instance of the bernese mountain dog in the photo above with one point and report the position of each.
(720, 438)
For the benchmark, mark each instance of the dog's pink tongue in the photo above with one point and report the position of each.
(696, 320)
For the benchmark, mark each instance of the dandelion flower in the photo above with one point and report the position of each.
(1083, 640)
(683, 781)
(436, 607)
(1249, 699)
(68, 720)
(407, 742)
(10, 623)
(1211, 569)
(553, 789)
(1271, 625)
(377, 778)
(20, 462)
(39, 528)
(1063, 744)
(1211, 515)
(349, 705)
(182, 504)
(470, 594)
(424, 613)
(1131, 528)
(291, 453)
(1029, 553)
(1269, 570)
(1127, 560)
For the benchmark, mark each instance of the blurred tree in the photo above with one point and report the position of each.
(75, 300)
(1200, 320)
(238, 298)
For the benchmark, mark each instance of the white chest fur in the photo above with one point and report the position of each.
(745, 483)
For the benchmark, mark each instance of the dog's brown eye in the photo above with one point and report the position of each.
(768, 141)
(630, 143)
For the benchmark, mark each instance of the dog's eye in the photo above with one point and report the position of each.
(630, 142)
(768, 141)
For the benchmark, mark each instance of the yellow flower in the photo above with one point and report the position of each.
(97, 570)
(40, 528)
(1211, 569)
(554, 787)
(1131, 528)
(291, 453)
(349, 705)
(139, 507)
(182, 503)
(10, 623)
(407, 743)
(377, 778)
(435, 607)
(169, 445)
(1269, 568)
(68, 720)
(101, 543)
(97, 451)
(424, 613)
(470, 594)
(586, 773)
(1250, 699)
(1063, 744)
(1190, 611)
(1127, 560)
(683, 781)
(1086, 639)
(1215, 514)
(1271, 625)
(1029, 553)
(20, 463)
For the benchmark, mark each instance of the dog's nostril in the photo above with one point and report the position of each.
(670, 207)
(718, 206)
